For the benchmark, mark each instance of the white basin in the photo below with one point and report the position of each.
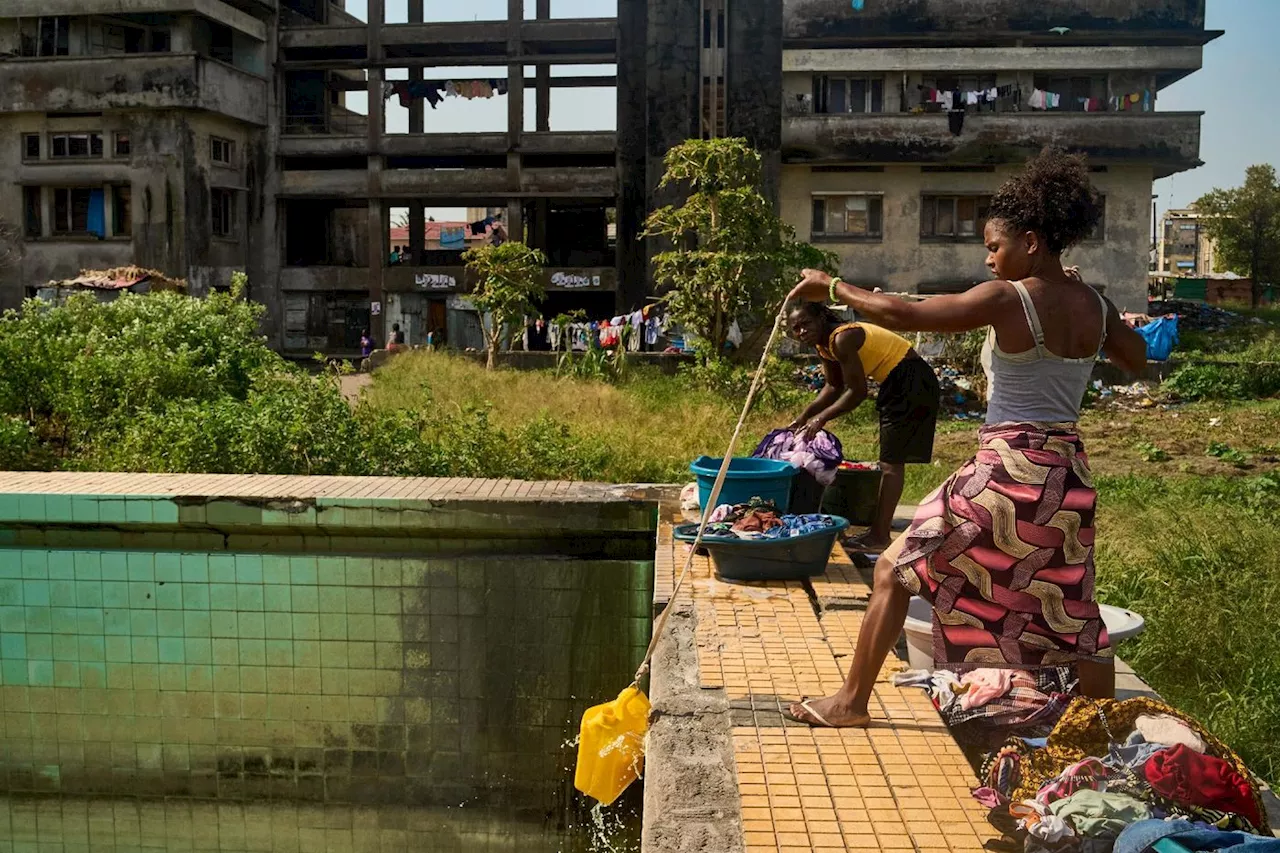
(1121, 625)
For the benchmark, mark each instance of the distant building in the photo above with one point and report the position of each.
(1185, 247)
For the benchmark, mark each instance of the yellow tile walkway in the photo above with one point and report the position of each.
(903, 784)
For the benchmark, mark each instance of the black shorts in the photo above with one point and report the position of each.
(908, 404)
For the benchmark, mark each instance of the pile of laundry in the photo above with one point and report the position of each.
(760, 519)
(1109, 767)
(820, 456)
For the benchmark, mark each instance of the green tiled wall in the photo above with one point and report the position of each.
(366, 677)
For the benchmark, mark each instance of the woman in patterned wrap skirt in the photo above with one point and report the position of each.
(1003, 550)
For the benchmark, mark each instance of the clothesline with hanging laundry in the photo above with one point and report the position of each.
(1135, 101)
(435, 91)
(631, 330)
(958, 99)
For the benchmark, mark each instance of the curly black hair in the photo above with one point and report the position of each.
(1051, 196)
(816, 310)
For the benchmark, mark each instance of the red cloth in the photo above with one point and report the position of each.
(1185, 776)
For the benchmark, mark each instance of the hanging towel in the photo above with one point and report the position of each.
(96, 222)
(955, 121)
(1037, 99)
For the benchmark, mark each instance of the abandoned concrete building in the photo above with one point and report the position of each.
(203, 136)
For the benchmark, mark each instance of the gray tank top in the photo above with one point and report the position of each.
(1036, 386)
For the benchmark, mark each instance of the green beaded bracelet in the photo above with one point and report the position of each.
(832, 292)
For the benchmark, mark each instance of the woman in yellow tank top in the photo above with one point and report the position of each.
(907, 402)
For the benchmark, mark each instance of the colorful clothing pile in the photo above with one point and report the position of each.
(1028, 703)
(820, 457)
(760, 519)
(1098, 774)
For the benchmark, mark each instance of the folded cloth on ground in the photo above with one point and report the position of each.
(1167, 731)
(820, 457)
(982, 686)
(1132, 755)
(1035, 700)
(1185, 776)
(1097, 814)
(1140, 837)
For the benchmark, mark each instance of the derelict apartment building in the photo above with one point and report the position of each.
(204, 136)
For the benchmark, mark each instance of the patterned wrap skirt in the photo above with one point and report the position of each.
(1004, 552)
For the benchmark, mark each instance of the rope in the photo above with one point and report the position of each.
(756, 381)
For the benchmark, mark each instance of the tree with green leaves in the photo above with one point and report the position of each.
(508, 284)
(1244, 222)
(730, 256)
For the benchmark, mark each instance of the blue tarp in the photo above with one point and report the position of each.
(1161, 335)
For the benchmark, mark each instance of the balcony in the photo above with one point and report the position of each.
(946, 21)
(1168, 141)
(136, 81)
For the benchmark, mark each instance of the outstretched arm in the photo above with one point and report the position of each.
(832, 388)
(961, 312)
(1126, 348)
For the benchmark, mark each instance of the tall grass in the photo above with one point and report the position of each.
(1198, 559)
(644, 430)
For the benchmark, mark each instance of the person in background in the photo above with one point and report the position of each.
(908, 399)
(539, 339)
(394, 258)
(367, 345)
(397, 338)
(1003, 551)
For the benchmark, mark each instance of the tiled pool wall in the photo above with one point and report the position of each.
(338, 651)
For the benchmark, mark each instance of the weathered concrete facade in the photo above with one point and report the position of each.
(246, 145)
(902, 118)
(134, 133)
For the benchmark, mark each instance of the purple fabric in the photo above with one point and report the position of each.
(819, 457)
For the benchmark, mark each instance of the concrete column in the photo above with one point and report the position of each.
(416, 114)
(108, 210)
(417, 231)
(514, 219)
(515, 74)
(753, 82)
(632, 260)
(544, 78)
(181, 36)
(377, 219)
(46, 211)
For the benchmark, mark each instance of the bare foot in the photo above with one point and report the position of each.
(830, 712)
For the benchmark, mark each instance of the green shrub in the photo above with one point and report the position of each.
(1195, 382)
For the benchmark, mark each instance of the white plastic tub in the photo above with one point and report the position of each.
(1121, 625)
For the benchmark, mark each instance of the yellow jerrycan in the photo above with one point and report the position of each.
(611, 746)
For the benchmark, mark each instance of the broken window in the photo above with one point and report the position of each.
(221, 43)
(955, 217)
(160, 41)
(848, 215)
(122, 210)
(34, 213)
(72, 145)
(55, 36)
(834, 95)
(122, 145)
(77, 211)
(31, 146)
(221, 150)
(115, 38)
(222, 213)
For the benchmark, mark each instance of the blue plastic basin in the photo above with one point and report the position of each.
(767, 479)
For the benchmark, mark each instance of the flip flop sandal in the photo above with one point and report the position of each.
(804, 703)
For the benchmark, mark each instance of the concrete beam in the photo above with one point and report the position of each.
(215, 10)
(454, 184)
(988, 59)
